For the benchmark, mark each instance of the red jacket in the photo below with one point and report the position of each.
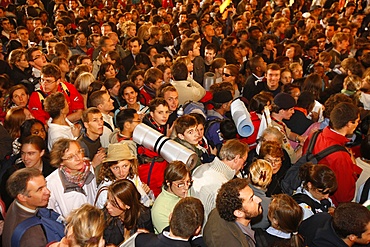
(73, 97)
(340, 162)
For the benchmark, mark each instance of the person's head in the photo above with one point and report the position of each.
(127, 120)
(153, 77)
(32, 127)
(187, 218)
(159, 111)
(106, 71)
(19, 95)
(18, 58)
(189, 48)
(259, 101)
(102, 101)
(50, 78)
(297, 70)
(83, 82)
(56, 105)
(14, 119)
(352, 83)
(167, 72)
(286, 76)
(273, 153)
(285, 214)
(179, 71)
(260, 172)
(36, 58)
(283, 105)
(340, 41)
(129, 93)
(67, 153)
(124, 202)
(318, 179)
(93, 122)
(245, 205)
(352, 221)
(345, 116)
(186, 129)
(32, 150)
(234, 153)
(120, 163)
(170, 94)
(177, 179)
(135, 45)
(273, 76)
(230, 74)
(85, 226)
(137, 77)
(113, 86)
(28, 187)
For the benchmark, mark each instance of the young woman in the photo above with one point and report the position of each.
(126, 215)
(313, 195)
(106, 71)
(177, 181)
(285, 216)
(129, 96)
(85, 228)
(19, 96)
(260, 173)
(119, 164)
(231, 75)
(113, 86)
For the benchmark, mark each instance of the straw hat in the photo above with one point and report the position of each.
(118, 151)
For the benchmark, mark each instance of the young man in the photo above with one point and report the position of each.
(153, 79)
(134, 47)
(188, 90)
(103, 101)
(171, 96)
(51, 83)
(229, 223)
(90, 140)
(254, 83)
(349, 226)
(28, 187)
(340, 44)
(156, 119)
(191, 49)
(37, 60)
(186, 221)
(210, 52)
(344, 119)
(126, 121)
(208, 178)
(272, 83)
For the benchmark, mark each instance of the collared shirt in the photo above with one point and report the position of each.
(248, 232)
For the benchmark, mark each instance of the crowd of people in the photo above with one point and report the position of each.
(77, 78)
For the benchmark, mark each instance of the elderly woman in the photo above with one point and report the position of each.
(73, 183)
(59, 126)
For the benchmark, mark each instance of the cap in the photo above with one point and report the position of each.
(284, 101)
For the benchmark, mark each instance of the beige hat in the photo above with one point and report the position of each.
(118, 151)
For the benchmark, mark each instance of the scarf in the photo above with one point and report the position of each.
(79, 178)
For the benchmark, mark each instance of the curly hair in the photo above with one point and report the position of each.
(54, 104)
(228, 199)
(107, 174)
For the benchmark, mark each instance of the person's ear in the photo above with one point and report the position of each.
(198, 230)
(170, 217)
(42, 153)
(126, 125)
(181, 136)
(151, 114)
(352, 238)
(238, 213)
(21, 197)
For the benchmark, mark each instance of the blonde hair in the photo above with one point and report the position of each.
(352, 83)
(83, 82)
(87, 224)
(260, 173)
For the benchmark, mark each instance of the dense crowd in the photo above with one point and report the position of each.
(259, 112)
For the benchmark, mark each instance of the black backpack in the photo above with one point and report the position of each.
(291, 180)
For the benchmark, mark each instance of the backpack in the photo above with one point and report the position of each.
(49, 221)
(291, 180)
(194, 106)
(365, 192)
(324, 204)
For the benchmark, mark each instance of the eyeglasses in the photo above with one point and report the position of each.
(226, 74)
(274, 161)
(183, 184)
(75, 156)
(324, 191)
(43, 81)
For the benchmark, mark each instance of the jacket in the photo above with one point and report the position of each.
(340, 162)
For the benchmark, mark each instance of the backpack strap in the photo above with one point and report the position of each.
(65, 88)
(303, 198)
(365, 191)
(42, 97)
(22, 228)
(312, 143)
(332, 149)
(108, 126)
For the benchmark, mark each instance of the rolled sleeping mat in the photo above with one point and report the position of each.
(163, 145)
(241, 118)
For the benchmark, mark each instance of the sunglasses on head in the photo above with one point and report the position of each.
(324, 191)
